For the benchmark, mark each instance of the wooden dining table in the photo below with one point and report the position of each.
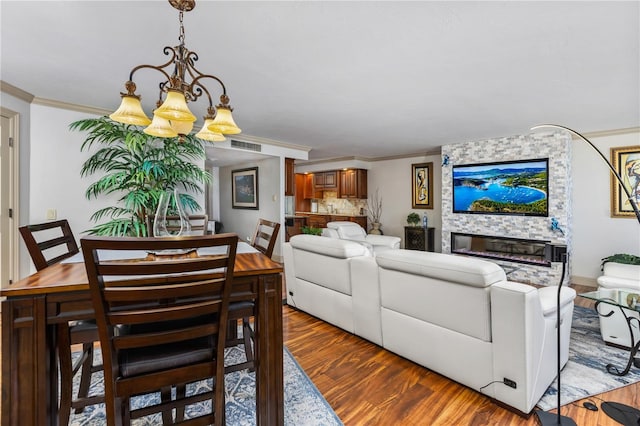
(60, 292)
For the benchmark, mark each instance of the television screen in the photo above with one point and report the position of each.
(506, 187)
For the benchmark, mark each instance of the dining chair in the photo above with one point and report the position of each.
(159, 321)
(49, 243)
(198, 224)
(264, 240)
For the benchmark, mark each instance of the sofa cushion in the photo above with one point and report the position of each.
(459, 269)
(348, 230)
(328, 246)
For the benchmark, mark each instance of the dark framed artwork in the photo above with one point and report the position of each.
(244, 188)
(626, 161)
(422, 186)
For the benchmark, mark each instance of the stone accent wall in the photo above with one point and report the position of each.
(556, 146)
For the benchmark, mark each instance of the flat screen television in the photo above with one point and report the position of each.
(504, 187)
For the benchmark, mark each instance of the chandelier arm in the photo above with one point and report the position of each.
(167, 50)
(613, 170)
(196, 81)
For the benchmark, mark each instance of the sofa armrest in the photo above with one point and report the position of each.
(383, 240)
(524, 341)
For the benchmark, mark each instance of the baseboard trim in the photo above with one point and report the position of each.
(586, 281)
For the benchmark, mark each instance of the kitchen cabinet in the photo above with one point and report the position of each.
(353, 183)
(289, 177)
(321, 220)
(303, 203)
(325, 180)
(293, 226)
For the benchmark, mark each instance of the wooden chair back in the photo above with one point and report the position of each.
(198, 224)
(171, 301)
(264, 239)
(49, 242)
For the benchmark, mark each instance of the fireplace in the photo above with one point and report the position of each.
(500, 248)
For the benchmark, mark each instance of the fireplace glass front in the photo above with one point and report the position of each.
(500, 248)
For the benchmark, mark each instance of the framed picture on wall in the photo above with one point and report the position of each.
(626, 161)
(422, 186)
(244, 190)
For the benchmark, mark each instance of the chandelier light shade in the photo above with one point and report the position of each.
(172, 117)
(130, 112)
(160, 127)
(223, 122)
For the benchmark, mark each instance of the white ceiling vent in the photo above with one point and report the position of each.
(246, 145)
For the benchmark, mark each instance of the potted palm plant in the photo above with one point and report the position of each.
(139, 168)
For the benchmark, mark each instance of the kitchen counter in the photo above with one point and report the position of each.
(330, 214)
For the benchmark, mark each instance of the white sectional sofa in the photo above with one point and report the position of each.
(455, 315)
(353, 232)
(614, 328)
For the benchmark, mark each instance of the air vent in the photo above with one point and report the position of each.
(246, 145)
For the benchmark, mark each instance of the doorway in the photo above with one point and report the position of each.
(8, 197)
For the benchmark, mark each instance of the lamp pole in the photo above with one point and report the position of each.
(630, 196)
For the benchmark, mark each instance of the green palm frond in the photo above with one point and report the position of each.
(139, 167)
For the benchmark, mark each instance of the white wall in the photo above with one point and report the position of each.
(271, 205)
(55, 169)
(393, 179)
(595, 233)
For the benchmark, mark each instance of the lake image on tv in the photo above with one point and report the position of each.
(514, 188)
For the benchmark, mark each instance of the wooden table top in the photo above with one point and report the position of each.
(63, 277)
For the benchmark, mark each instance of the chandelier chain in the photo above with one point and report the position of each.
(181, 36)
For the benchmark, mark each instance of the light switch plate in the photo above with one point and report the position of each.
(52, 214)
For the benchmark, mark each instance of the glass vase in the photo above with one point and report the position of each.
(170, 219)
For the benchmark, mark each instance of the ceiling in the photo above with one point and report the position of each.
(363, 79)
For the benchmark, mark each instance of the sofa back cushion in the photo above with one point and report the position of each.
(449, 291)
(348, 230)
(325, 261)
(447, 267)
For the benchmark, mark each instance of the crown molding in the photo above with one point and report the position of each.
(12, 90)
(614, 132)
(436, 151)
(69, 106)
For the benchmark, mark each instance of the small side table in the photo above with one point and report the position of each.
(419, 238)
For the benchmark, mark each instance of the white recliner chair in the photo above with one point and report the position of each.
(614, 328)
(354, 232)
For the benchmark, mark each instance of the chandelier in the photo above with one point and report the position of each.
(172, 117)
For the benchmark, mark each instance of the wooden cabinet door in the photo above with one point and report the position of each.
(289, 177)
(309, 187)
(353, 183)
(331, 179)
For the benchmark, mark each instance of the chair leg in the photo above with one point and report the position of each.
(85, 378)
(66, 373)
(181, 391)
(167, 415)
(247, 335)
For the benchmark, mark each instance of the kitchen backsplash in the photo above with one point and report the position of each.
(331, 204)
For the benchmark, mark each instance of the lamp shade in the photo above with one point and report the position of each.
(130, 112)
(208, 135)
(223, 122)
(181, 127)
(175, 108)
(161, 128)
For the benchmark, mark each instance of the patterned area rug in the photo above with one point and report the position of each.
(585, 373)
(303, 405)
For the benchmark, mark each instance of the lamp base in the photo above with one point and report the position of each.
(621, 413)
(551, 419)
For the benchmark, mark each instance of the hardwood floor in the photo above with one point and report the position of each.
(367, 385)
